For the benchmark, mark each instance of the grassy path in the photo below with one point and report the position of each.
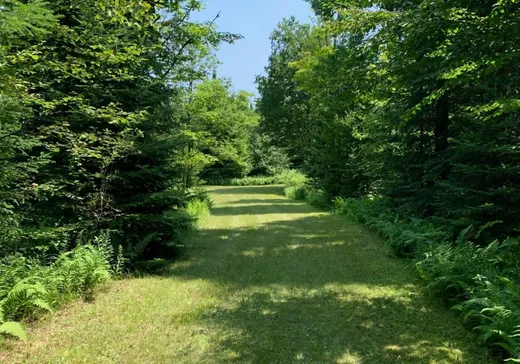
(267, 280)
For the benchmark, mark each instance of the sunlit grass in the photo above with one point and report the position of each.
(267, 280)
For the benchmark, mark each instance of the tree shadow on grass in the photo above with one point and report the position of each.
(262, 209)
(328, 328)
(308, 252)
(320, 289)
(254, 190)
(263, 201)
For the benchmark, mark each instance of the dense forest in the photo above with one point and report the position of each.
(404, 116)
(110, 114)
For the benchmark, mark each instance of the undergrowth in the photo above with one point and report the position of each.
(195, 211)
(480, 282)
(301, 189)
(30, 288)
(199, 205)
(285, 177)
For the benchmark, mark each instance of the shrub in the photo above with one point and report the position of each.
(29, 289)
(246, 181)
(292, 177)
(199, 210)
(170, 226)
(288, 177)
(295, 192)
(196, 209)
(199, 205)
(199, 194)
(317, 197)
(313, 196)
(296, 185)
(357, 209)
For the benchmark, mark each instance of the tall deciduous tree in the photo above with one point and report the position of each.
(221, 123)
(415, 101)
(99, 90)
(284, 107)
(19, 22)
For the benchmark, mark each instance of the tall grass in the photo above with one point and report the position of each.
(199, 206)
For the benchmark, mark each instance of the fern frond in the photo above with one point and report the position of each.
(38, 302)
(14, 329)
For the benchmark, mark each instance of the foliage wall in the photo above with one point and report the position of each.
(416, 101)
(408, 114)
(92, 115)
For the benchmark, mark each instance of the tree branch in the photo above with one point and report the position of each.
(184, 45)
(188, 13)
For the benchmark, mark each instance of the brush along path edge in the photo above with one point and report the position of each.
(266, 280)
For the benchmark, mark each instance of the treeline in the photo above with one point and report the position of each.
(408, 113)
(108, 119)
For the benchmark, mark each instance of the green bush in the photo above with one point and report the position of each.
(254, 181)
(296, 185)
(288, 177)
(299, 189)
(317, 197)
(175, 224)
(292, 177)
(295, 192)
(357, 209)
(197, 209)
(199, 205)
(29, 289)
(199, 194)
(310, 194)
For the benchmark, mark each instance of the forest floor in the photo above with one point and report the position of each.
(266, 280)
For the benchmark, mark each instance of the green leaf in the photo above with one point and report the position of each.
(13, 329)
(42, 304)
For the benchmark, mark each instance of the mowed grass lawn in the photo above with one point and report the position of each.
(267, 280)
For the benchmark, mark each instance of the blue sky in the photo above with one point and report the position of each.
(255, 20)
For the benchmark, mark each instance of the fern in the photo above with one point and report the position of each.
(512, 345)
(139, 248)
(11, 328)
(14, 329)
(28, 289)
(481, 283)
(25, 300)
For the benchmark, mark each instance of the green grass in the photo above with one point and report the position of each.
(266, 280)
